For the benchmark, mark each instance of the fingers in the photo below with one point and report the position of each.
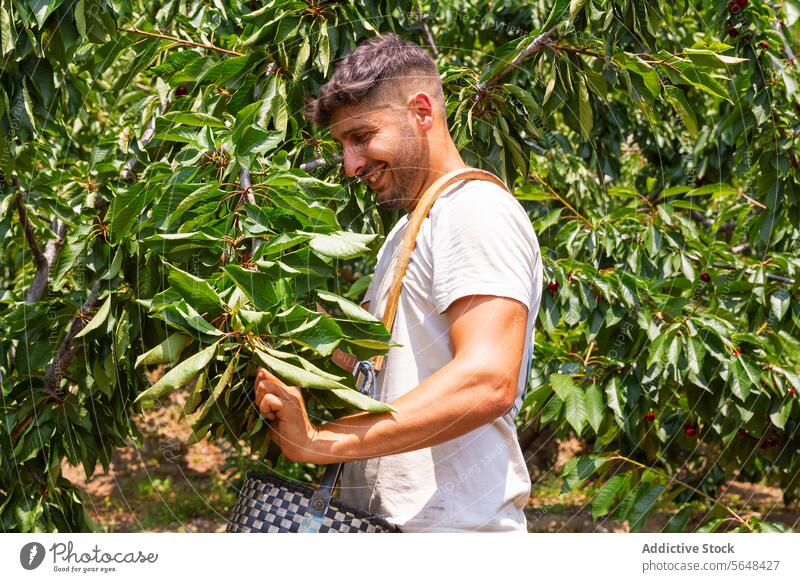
(270, 392)
(264, 374)
(270, 406)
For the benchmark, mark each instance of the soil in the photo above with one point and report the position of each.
(165, 485)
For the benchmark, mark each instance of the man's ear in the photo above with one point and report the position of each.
(421, 108)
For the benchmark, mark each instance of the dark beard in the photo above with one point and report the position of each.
(411, 162)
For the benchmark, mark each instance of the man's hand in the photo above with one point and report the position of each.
(290, 427)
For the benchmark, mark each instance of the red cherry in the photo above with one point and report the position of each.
(181, 91)
(736, 352)
(791, 391)
(734, 8)
(733, 32)
(764, 45)
(742, 3)
(689, 431)
(705, 277)
(552, 286)
(743, 433)
(650, 416)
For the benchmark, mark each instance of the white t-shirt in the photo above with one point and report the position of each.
(477, 240)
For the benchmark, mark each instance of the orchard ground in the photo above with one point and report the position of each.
(167, 485)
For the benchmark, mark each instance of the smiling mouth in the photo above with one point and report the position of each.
(372, 178)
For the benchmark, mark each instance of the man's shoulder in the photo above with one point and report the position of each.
(480, 199)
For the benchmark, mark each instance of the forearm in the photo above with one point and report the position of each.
(451, 402)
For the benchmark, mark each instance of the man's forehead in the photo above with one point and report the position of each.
(349, 118)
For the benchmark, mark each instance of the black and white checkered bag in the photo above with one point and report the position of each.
(268, 503)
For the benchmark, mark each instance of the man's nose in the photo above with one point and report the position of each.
(354, 161)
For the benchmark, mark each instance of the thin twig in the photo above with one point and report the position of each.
(686, 485)
(558, 197)
(181, 41)
(769, 276)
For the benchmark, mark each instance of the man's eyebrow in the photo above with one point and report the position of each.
(351, 130)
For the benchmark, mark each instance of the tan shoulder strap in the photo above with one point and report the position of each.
(348, 361)
(415, 223)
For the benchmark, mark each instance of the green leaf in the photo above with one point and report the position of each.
(585, 109)
(705, 82)
(612, 394)
(646, 498)
(296, 376)
(197, 292)
(303, 363)
(556, 13)
(180, 375)
(126, 209)
(575, 410)
(695, 352)
(782, 412)
(42, 9)
(321, 334)
(204, 193)
(184, 317)
(575, 7)
(167, 352)
(258, 287)
(360, 401)
(593, 404)
(580, 468)
(606, 495)
(98, 319)
(7, 29)
(562, 385)
(707, 58)
(739, 380)
(677, 99)
(223, 382)
(779, 302)
(195, 119)
(318, 213)
(350, 309)
(340, 245)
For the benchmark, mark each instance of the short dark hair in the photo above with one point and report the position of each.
(380, 62)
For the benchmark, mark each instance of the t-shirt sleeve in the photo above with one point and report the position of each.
(482, 244)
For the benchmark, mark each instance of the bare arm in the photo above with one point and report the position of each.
(487, 335)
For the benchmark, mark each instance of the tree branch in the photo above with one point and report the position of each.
(39, 284)
(66, 351)
(130, 166)
(30, 236)
(320, 163)
(769, 276)
(428, 36)
(535, 46)
(181, 41)
(558, 197)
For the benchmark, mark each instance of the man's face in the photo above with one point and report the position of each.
(383, 147)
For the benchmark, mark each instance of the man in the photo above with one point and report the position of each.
(448, 459)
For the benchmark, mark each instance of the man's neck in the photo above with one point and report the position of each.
(448, 165)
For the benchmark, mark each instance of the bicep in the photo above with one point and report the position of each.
(489, 333)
